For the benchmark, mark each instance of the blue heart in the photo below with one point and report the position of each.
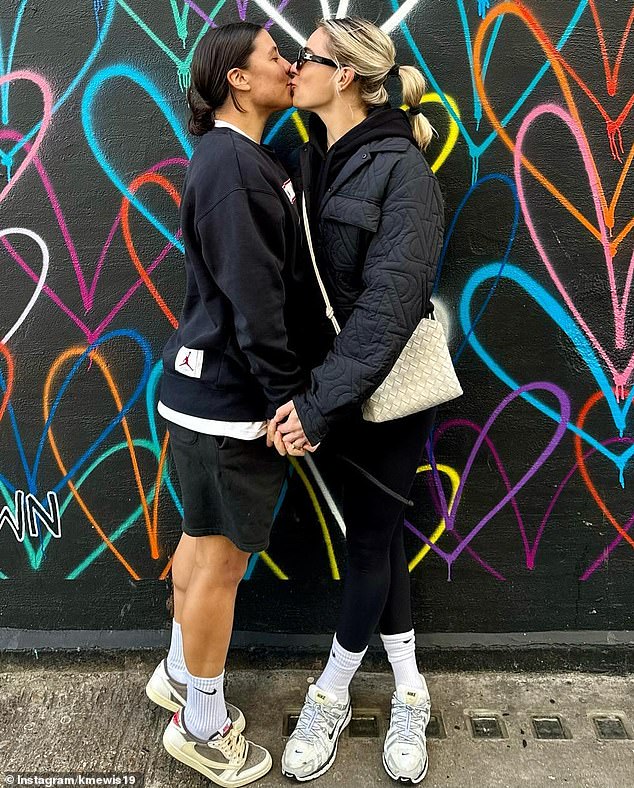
(150, 404)
(31, 472)
(7, 489)
(511, 238)
(475, 150)
(130, 521)
(36, 557)
(93, 87)
(566, 323)
(5, 68)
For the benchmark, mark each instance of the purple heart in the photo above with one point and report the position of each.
(450, 517)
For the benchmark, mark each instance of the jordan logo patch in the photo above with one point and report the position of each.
(189, 362)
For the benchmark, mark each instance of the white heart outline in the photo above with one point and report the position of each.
(40, 282)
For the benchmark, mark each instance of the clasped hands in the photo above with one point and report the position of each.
(285, 432)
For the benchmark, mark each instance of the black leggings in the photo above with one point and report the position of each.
(377, 586)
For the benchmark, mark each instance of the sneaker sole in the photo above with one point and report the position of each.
(330, 760)
(175, 752)
(409, 780)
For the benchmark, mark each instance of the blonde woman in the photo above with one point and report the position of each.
(377, 220)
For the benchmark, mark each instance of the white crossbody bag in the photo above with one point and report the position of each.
(423, 375)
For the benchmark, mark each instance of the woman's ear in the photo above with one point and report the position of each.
(238, 79)
(346, 77)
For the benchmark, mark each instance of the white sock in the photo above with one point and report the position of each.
(206, 711)
(401, 652)
(176, 658)
(339, 670)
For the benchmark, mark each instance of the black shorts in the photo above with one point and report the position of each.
(229, 487)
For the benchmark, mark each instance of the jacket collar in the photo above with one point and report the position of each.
(362, 158)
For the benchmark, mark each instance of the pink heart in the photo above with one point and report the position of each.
(47, 99)
(619, 306)
(87, 291)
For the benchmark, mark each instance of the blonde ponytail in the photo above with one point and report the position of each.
(364, 47)
(413, 86)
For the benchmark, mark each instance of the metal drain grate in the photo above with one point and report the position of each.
(487, 726)
(610, 728)
(549, 728)
(436, 726)
(290, 721)
(364, 726)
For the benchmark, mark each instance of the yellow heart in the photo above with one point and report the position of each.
(454, 478)
(452, 137)
(428, 98)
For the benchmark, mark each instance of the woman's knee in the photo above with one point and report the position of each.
(219, 557)
(369, 558)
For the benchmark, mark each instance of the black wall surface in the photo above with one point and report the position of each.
(525, 523)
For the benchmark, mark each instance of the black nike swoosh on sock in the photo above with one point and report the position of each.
(408, 641)
(213, 692)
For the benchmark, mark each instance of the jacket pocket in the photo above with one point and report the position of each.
(346, 209)
(347, 226)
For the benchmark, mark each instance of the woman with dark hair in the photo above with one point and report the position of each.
(227, 368)
(376, 212)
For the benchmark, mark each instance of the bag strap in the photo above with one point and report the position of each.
(330, 312)
(375, 481)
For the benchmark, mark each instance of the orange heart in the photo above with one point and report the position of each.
(560, 66)
(148, 177)
(151, 522)
(4, 350)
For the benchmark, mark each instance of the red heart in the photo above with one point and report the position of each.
(560, 67)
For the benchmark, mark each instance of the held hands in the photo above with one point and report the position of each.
(286, 433)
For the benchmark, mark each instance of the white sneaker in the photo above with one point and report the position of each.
(164, 690)
(405, 749)
(170, 694)
(312, 747)
(226, 759)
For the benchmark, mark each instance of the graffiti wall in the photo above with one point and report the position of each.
(524, 508)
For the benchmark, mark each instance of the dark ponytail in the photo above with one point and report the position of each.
(201, 115)
(220, 50)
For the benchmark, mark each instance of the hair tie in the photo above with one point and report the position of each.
(394, 71)
(417, 109)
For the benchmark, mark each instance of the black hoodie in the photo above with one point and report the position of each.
(231, 358)
(382, 122)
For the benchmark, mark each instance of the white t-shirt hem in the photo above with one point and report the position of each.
(243, 430)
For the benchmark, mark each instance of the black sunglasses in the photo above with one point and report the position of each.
(306, 56)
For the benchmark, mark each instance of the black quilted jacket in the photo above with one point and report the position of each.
(378, 233)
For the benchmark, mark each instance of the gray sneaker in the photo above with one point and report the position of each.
(405, 748)
(312, 747)
(170, 694)
(226, 759)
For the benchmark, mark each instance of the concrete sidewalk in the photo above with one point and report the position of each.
(96, 717)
